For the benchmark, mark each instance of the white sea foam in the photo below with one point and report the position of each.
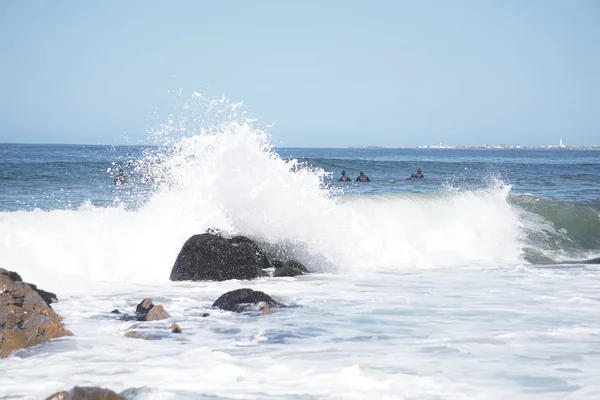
(432, 334)
(233, 181)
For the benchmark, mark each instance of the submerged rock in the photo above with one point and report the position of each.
(86, 393)
(141, 335)
(211, 257)
(26, 319)
(242, 300)
(145, 311)
(290, 268)
(142, 331)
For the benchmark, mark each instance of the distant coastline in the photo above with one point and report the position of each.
(482, 147)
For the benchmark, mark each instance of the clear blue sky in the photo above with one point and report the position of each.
(330, 73)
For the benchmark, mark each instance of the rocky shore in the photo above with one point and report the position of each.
(27, 318)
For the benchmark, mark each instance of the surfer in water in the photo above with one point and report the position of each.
(120, 178)
(344, 177)
(362, 177)
(418, 175)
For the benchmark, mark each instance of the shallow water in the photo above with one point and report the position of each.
(479, 334)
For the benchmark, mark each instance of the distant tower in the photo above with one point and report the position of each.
(560, 143)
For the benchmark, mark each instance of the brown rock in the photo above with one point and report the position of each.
(86, 393)
(141, 335)
(157, 313)
(267, 310)
(145, 311)
(11, 340)
(175, 328)
(25, 318)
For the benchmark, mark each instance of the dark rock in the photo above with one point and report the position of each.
(290, 268)
(48, 297)
(25, 318)
(242, 239)
(214, 258)
(175, 328)
(115, 311)
(297, 264)
(86, 393)
(129, 317)
(242, 300)
(12, 275)
(204, 315)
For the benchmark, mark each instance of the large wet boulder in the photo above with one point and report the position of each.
(289, 268)
(86, 393)
(242, 300)
(211, 257)
(26, 319)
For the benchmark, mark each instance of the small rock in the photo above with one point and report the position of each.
(204, 315)
(86, 393)
(144, 307)
(175, 328)
(145, 311)
(157, 313)
(242, 300)
(290, 268)
(141, 335)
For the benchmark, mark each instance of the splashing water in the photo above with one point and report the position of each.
(228, 177)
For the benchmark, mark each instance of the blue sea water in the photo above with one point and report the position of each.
(64, 176)
(449, 287)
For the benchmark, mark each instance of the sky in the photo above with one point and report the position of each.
(323, 73)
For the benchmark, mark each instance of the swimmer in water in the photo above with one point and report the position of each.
(344, 177)
(362, 177)
(418, 175)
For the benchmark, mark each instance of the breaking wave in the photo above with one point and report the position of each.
(230, 178)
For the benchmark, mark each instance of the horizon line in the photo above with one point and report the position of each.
(354, 147)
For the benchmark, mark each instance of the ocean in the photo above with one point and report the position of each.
(453, 286)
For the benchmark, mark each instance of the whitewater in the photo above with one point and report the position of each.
(450, 288)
